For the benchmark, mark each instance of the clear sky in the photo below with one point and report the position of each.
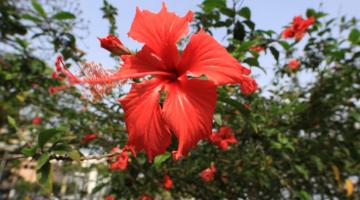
(267, 14)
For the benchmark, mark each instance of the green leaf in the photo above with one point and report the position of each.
(64, 16)
(23, 43)
(43, 159)
(245, 45)
(223, 98)
(239, 31)
(245, 12)
(252, 61)
(310, 12)
(301, 169)
(31, 18)
(29, 151)
(39, 9)
(46, 135)
(275, 53)
(285, 45)
(304, 195)
(99, 187)
(210, 5)
(11, 122)
(161, 158)
(249, 24)
(354, 36)
(45, 177)
(75, 155)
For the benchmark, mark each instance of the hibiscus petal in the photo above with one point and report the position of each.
(146, 128)
(205, 56)
(188, 110)
(160, 32)
(141, 64)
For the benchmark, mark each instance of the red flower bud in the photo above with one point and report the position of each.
(293, 64)
(36, 120)
(114, 45)
(89, 137)
(207, 174)
(168, 184)
(110, 198)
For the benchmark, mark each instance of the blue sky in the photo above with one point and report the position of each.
(267, 14)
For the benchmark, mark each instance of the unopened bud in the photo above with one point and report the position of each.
(114, 45)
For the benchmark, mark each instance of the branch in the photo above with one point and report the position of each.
(66, 158)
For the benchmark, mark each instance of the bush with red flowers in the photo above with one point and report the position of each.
(198, 121)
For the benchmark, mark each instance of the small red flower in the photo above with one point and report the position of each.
(54, 75)
(89, 137)
(293, 64)
(223, 138)
(257, 48)
(207, 175)
(119, 161)
(114, 45)
(146, 197)
(36, 120)
(298, 28)
(109, 198)
(168, 184)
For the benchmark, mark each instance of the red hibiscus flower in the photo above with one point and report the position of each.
(36, 121)
(119, 161)
(88, 137)
(114, 45)
(298, 28)
(293, 64)
(168, 184)
(223, 138)
(189, 101)
(146, 197)
(207, 174)
(110, 198)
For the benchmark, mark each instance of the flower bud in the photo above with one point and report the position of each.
(114, 45)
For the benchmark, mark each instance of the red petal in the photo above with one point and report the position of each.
(205, 56)
(141, 64)
(160, 31)
(146, 128)
(188, 110)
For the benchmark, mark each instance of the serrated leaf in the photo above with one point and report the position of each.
(245, 12)
(64, 16)
(161, 158)
(46, 135)
(43, 159)
(11, 121)
(39, 9)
